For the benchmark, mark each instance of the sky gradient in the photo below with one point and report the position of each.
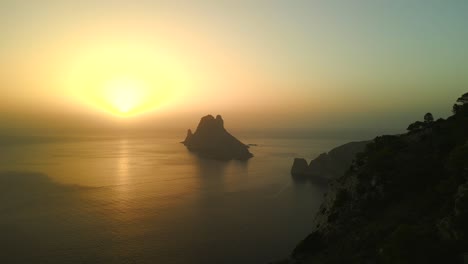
(261, 64)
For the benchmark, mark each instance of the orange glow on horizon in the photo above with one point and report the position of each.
(125, 79)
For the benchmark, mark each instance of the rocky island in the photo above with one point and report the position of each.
(211, 140)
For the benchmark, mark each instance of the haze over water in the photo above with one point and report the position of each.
(148, 200)
(307, 72)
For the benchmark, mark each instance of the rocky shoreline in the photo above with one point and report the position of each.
(404, 199)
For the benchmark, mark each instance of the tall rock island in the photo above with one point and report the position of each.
(211, 140)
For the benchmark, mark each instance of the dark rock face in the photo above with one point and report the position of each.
(300, 167)
(189, 136)
(329, 165)
(404, 199)
(211, 140)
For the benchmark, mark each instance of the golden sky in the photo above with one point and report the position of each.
(301, 64)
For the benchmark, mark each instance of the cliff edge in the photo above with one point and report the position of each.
(404, 199)
(329, 165)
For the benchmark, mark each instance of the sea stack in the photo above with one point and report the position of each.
(211, 140)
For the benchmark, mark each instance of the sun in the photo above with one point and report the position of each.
(124, 95)
(126, 79)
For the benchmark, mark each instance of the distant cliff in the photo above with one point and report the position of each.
(211, 140)
(329, 165)
(403, 200)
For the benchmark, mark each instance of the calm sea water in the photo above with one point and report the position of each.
(148, 200)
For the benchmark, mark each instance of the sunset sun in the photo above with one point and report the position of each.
(125, 79)
(124, 95)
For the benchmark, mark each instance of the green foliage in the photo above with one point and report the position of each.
(382, 154)
(342, 197)
(416, 126)
(406, 184)
(458, 159)
(461, 104)
(428, 118)
(447, 186)
(463, 99)
(455, 109)
(461, 217)
(416, 244)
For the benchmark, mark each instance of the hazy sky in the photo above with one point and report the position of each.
(261, 64)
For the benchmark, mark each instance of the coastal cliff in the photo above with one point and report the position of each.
(211, 140)
(329, 165)
(404, 199)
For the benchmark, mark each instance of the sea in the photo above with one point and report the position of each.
(147, 199)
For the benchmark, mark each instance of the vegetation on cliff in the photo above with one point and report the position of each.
(403, 200)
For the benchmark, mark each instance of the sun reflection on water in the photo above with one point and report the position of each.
(123, 162)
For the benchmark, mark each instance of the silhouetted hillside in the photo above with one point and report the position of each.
(211, 140)
(328, 165)
(403, 200)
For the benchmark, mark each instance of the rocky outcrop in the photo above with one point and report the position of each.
(299, 167)
(329, 165)
(211, 140)
(404, 199)
(189, 136)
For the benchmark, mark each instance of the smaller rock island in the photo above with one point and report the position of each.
(211, 140)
